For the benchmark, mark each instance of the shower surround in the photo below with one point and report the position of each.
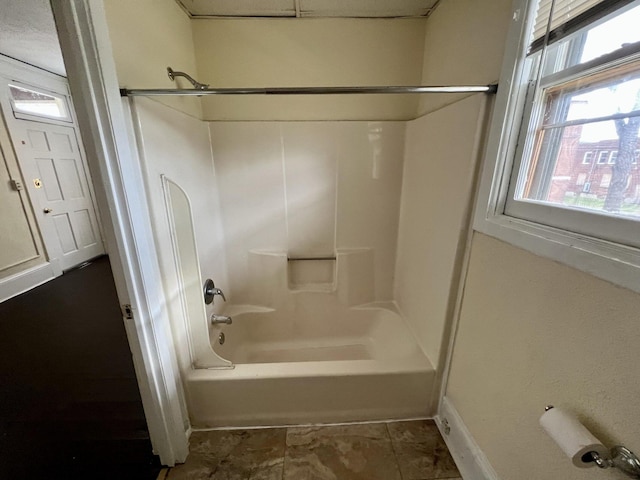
(310, 219)
(298, 223)
(308, 189)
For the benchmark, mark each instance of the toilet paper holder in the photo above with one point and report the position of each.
(620, 457)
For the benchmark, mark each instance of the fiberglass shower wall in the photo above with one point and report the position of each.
(177, 146)
(309, 189)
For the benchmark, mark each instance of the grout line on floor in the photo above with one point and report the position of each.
(284, 455)
(263, 427)
(393, 449)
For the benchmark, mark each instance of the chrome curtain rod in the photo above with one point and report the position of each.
(493, 88)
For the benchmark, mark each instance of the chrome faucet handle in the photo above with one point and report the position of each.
(211, 291)
(217, 291)
(218, 319)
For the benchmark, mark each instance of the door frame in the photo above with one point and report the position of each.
(120, 193)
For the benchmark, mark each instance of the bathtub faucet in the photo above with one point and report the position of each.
(218, 319)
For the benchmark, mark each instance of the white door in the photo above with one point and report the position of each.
(56, 176)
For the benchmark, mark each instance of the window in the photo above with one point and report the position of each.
(568, 106)
(602, 157)
(30, 102)
(584, 94)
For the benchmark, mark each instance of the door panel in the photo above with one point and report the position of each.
(86, 236)
(50, 158)
(65, 233)
(70, 178)
(51, 188)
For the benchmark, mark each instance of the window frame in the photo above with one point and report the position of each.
(612, 259)
(23, 115)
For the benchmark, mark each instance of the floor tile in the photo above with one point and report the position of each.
(421, 451)
(234, 455)
(342, 452)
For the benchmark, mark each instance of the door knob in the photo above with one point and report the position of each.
(48, 210)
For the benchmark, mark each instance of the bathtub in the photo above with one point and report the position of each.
(311, 363)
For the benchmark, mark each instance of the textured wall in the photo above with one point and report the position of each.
(309, 52)
(28, 33)
(147, 36)
(464, 44)
(21, 247)
(534, 332)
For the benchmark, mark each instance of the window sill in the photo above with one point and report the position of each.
(615, 263)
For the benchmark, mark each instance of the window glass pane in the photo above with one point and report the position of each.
(585, 99)
(559, 175)
(38, 103)
(612, 35)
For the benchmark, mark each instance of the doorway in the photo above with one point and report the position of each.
(70, 405)
(52, 169)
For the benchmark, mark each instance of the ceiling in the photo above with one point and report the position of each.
(28, 33)
(309, 8)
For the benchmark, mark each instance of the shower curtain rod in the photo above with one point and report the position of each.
(493, 88)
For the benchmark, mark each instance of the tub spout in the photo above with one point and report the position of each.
(218, 319)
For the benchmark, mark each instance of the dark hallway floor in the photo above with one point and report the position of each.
(69, 400)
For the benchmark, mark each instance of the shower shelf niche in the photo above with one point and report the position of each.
(312, 274)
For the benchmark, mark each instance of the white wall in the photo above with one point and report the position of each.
(21, 247)
(464, 44)
(147, 36)
(308, 189)
(439, 165)
(309, 52)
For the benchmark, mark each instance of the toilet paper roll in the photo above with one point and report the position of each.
(572, 437)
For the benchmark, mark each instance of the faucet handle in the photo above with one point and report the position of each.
(217, 291)
(211, 291)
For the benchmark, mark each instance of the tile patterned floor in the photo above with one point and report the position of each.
(412, 450)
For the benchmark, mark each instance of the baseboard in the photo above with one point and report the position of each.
(469, 458)
(26, 280)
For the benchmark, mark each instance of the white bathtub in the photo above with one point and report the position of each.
(312, 363)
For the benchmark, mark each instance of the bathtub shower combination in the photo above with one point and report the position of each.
(317, 355)
(300, 224)
(311, 345)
